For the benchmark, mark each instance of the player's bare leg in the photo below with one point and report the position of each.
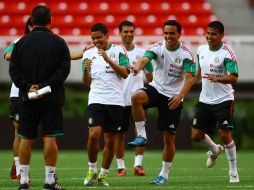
(119, 151)
(139, 99)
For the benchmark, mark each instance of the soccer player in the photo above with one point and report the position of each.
(105, 65)
(40, 59)
(130, 85)
(217, 67)
(173, 78)
(15, 107)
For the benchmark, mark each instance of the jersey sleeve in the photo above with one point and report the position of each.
(123, 60)
(189, 66)
(153, 50)
(230, 61)
(9, 49)
(150, 54)
(231, 66)
(11, 46)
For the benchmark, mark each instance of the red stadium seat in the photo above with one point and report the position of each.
(75, 17)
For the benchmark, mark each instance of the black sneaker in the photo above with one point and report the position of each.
(24, 186)
(54, 186)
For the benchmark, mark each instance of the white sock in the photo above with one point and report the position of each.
(93, 166)
(104, 171)
(230, 151)
(17, 164)
(120, 163)
(24, 170)
(138, 160)
(50, 174)
(210, 144)
(165, 169)
(141, 130)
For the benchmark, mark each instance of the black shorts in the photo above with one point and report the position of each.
(15, 105)
(47, 115)
(127, 118)
(168, 119)
(109, 117)
(211, 117)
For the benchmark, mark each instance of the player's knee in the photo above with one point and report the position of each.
(225, 136)
(93, 136)
(196, 136)
(138, 97)
(109, 143)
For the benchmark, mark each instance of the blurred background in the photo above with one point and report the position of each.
(72, 20)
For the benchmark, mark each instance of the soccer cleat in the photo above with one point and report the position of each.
(159, 181)
(54, 186)
(212, 158)
(24, 186)
(90, 177)
(121, 172)
(13, 173)
(138, 142)
(138, 171)
(234, 178)
(102, 180)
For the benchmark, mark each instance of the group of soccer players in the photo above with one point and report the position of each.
(116, 75)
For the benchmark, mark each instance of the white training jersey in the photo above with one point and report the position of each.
(105, 85)
(219, 63)
(14, 90)
(169, 67)
(133, 83)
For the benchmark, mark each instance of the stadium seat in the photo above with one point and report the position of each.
(71, 17)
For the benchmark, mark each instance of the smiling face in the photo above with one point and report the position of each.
(127, 34)
(213, 37)
(100, 40)
(171, 36)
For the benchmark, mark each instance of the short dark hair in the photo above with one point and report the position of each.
(217, 25)
(125, 23)
(41, 15)
(173, 23)
(28, 23)
(100, 27)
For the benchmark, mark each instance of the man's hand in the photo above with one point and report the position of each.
(34, 88)
(135, 69)
(212, 78)
(102, 53)
(87, 63)
(175, 101)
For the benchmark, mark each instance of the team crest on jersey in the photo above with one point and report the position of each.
(112, 56)
(178, 60)
(137, 57)
(93, 58)
(216, 60)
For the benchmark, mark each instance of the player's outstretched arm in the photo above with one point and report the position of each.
(140, 64)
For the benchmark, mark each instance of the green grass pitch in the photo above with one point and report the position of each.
(188, 172)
